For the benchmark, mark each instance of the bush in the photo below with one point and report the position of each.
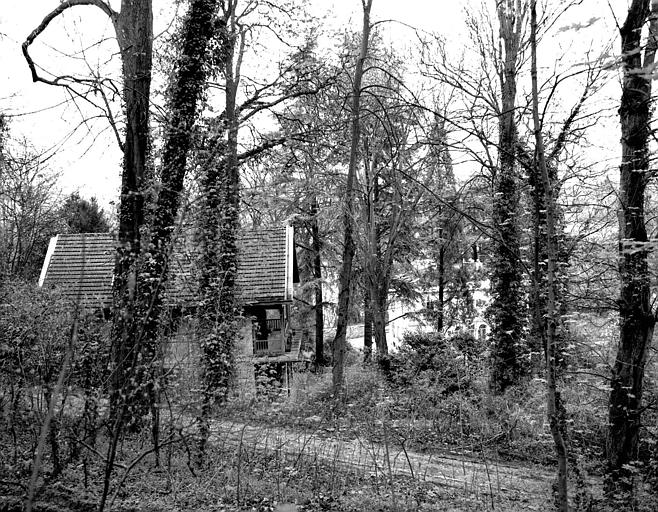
(470, 347)
(35, 332)
(35, 329)
(33, 335)
(426, 357)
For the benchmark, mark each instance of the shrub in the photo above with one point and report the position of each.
(35, 332)
(426, 357)
(35, 329)
(467, 344)
(34, 325)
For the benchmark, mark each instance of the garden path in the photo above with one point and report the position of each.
(525, 484)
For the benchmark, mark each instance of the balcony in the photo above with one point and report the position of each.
(275, 342)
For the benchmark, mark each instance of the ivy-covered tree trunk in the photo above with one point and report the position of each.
(186, 89)
(218, 308)
(134, 31)
(637, 320)
(506, 310)
(128, 395)
(345, 276)
(185, 94)
(219, 222)
(135, 35)
(219, 225)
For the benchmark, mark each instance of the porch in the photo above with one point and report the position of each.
(276, 339)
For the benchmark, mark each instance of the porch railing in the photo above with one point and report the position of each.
(277, 342)
(261, 347)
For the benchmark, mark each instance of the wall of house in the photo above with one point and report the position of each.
(182, 352)
(244, 357)
(182, 359)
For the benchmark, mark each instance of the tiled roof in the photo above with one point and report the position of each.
(262, 265)
(83, 264)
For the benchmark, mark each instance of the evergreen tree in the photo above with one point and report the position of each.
(83, 216)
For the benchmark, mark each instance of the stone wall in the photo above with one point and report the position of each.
(182, 359)
(244, 358)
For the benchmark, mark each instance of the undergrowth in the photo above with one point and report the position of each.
(235, 477)
(470, 420)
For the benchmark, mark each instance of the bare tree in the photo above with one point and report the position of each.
(133, 26)
(29, 212)
(393, 168)
(550, 321)
(339, 344)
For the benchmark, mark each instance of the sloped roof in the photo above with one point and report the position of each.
(82, 266)
(261, 265)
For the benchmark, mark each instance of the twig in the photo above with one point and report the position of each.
(390, 471)
(93, 450)
(404, 449)
(486, 466)
(136, 461)
(51, 408)
(237, 488)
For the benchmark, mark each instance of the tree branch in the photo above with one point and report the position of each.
(269, 144)
(67, 4)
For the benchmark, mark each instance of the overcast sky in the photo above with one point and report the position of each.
(87, 155)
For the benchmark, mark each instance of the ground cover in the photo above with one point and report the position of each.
(384, 447)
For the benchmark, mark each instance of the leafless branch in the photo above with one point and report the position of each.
(67, 4)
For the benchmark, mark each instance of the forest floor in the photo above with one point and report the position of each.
(305, 452)
(258, 467)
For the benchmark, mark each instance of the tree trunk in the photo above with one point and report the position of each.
(135, 35)
(128, 396)
(379, 296)
(345, 277)
(316, 244)
(134, 31)
(536, 343)
(185, 93)
(636, 317)
(218, 308)
(367, 325)
(220, 224)
(556, 420)
(442, 285)
(506, 280)
(188, 85)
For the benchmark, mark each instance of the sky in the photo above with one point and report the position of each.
(84, 150)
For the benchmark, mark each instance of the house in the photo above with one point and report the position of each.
(416, 314)
(82, 265)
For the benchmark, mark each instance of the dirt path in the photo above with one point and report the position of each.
(516, 482)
